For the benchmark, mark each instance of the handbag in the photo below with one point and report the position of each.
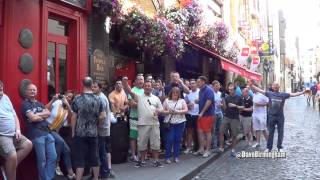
(167, 125)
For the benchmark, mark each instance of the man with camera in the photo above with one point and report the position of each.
(60, 108)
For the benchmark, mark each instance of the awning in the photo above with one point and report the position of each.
(229, 65)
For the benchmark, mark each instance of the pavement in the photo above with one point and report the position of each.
(301, 144)
(188, 166)
(302, 156)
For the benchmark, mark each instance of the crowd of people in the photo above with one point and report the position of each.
(189, 116)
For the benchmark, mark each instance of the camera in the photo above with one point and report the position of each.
(60, 96)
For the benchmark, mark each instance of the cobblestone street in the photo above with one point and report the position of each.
(301, 144)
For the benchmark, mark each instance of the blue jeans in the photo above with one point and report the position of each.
(216, 130)
(63, 149)
(46, 156)
(174, 137)
(274, 121)
(104, 169)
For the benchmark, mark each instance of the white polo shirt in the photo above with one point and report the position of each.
(147, 105)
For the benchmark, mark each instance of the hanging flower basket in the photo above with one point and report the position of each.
(165, 33)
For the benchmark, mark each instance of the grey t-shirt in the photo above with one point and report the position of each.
(105, 129)
(88, 107)
(7, 117)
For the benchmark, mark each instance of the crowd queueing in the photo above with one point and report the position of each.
(192, 116)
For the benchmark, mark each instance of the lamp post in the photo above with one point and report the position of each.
(266, 68)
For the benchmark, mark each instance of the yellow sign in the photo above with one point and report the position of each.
(265, 47)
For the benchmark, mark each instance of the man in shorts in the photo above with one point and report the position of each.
(231, 120)
(148, 107)
(133, 117)
(88, 114)
(14, 147)
(246, 114)
(259, 117)
(206, 117)
(192, 117)
(275, 112)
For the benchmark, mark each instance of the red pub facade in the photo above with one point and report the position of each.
(44, 41)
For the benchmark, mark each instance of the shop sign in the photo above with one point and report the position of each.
(265, 47)
(245, 51)
(98, 66)
(253, 50)
(256, 60)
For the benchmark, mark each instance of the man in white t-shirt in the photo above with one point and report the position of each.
(148, 107)
(218, 113)
(259, 116)
(192, 117)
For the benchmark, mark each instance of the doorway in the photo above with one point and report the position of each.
(59, 56)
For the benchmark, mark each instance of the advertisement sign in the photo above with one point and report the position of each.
(98, 66)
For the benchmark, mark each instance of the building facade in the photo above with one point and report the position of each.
(43, 42)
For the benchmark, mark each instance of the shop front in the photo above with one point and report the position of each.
(44, 42)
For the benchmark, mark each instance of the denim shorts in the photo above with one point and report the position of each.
(85, 151)
(9, 144)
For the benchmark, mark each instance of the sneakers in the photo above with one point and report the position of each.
(255, 145)
(233, 153)
(167, 161)
(198, 153)
(140, 164)
(267, 150)
(157, 164)
(280, 150)
(58, 171)
(176, 160)
(206, 154)
(187, 151)
(229, 142)
(73, 176)
(111, 174)
(134, 159)
(218, 150)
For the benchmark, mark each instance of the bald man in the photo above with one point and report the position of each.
(275, 112)
(35, 114)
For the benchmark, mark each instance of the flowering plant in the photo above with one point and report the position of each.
(111, 8)
(136, 26)
(167, 31)
(155, 38)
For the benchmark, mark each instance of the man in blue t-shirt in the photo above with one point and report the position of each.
(176, 81)
(313, 92)
(205, 117)
(275, 112)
